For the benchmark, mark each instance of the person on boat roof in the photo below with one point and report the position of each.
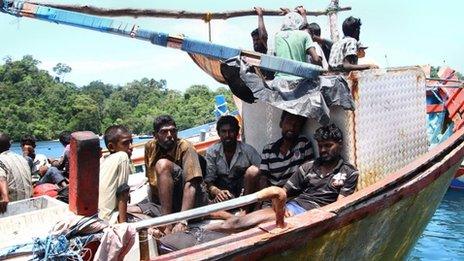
(344, 53)
(232, 167)
(113, 191)
(282, 158)
(42, 171)
(259, 35)
(15, 175)
(174, 173)
(314, 31)
(292, 43)
(315, 184)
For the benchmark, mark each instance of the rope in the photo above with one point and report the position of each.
(208, 16)
(268, 122)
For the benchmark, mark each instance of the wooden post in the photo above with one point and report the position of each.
(84, 168)
(143, 244)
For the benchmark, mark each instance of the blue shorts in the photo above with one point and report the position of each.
(294, 208)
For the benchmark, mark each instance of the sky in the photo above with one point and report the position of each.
(397, 32)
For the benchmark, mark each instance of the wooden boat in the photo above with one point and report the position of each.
(401, 183)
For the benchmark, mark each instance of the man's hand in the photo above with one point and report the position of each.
(3, 206)
(259, 10)
(43, 170)
(301, 10)
(373, 66)
(4, 195)
(179, 227)
(222, 195)
(285, 10)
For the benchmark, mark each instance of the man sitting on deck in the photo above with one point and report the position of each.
(343, 55)
(282, 158)
(174, 173)
(42, 171)
(113, 191)
(15, 175)
(315, 184)
(232, 166)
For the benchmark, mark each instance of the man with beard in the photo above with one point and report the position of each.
(282, 158)
(315, 184)
(231, 165)
(173, 170)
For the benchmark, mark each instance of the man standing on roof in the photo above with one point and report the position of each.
(173, 171)
(15, 175)
(315, 184)
(292, 43)
(231, 165)
(282, 158)
(344, 53)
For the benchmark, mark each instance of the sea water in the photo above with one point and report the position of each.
(443, 238)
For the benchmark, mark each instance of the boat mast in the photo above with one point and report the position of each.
(332, 10)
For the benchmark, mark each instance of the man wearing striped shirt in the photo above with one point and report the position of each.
(282, 158)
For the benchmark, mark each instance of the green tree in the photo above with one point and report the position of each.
(61, 70)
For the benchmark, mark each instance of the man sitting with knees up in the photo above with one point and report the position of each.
(315, 184)
(173, 171)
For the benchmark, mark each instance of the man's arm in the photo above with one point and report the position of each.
(349, 186)
(123, 199)
(348, 65)
(261, 27)
(302, 11)
(4, 195)
(315, 58)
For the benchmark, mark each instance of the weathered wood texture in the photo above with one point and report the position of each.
(161, 13)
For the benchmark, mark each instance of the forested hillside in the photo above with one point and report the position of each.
(36, 102)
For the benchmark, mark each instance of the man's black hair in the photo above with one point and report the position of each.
(65, 138)
(288, 114)
(112, 133)
(255, 32)
(161, 121)
(350, 25)
(329, 132)
(227, 119)
(5, 142)
(28, 139)
(314, 29)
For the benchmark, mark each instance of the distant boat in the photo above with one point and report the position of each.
(145, 137)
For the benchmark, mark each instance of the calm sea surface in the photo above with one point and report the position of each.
(443, 239)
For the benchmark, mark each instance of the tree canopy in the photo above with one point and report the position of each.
(35, 102)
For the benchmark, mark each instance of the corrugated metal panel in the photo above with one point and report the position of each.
(386, 131)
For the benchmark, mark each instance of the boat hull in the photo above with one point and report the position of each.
(386, 235)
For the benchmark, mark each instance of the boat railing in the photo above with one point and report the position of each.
(276, 194)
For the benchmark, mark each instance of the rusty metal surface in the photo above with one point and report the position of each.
(84, 167)
(389, 121)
